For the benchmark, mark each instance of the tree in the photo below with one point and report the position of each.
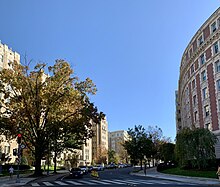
(195, 146)
(36, 105)
(101, 155)
(112, 156)
(156, 136)
(167, 152)
(138, 145)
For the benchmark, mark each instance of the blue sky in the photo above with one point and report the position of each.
(131, 49)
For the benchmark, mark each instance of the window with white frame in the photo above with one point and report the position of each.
(203, 75)
(196, 115)
(1, 58)
(7, 149)
(192, 69)
(217, 66)
(215, 48)
(208, 126)
(206, 110)
(200, 40)
(205, 93)
(193, 84)
(213, 27)
(219, 105)
(218, 85)
(194, 100)
(202, 59)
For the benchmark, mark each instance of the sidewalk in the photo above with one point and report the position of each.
(152, 172)
(24, 178)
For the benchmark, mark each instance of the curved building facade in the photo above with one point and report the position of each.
(198, 95)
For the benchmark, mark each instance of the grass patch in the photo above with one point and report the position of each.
(191, 173)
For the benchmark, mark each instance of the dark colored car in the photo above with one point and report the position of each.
(84, 169)
(90, 168)
(76, 173)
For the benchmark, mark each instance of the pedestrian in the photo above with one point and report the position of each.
(11, 171)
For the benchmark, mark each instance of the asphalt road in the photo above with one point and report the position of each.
(112, 177)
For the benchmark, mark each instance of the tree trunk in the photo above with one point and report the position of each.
(38, 171)
(141, 164)
(38, 157)
(55, 162)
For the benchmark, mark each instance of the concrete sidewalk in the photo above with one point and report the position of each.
(152, 172)
(24, 178)
(7, 181)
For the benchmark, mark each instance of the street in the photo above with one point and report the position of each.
(112, 177)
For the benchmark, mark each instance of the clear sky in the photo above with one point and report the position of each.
(131, 49)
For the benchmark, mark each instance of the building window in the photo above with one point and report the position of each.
(207, 126)
(219, 105)
(213, 27)
(194, 100)
(215, 47)
(218, 85)
(203, 76)
(192, 69)
(7, 150)
(202, 59)
(1, 58)
(193, 84)
(217, 66)
(205, 93)
(206, 109)
(195, 116)
(200, 40)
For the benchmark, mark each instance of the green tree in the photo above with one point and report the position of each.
(138, 145)
(112, 156)
(36, 104)
(167, 152)
(156, 135)
(195, 146)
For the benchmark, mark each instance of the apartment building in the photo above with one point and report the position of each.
(116, 140)
(198, 95)
(100, 142)
(7, 56)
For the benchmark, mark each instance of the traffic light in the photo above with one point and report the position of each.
(19, 138)
(15, 152)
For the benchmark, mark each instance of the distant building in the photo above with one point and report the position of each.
(198, 95)
(116, 140)
(100, 142)
(86, 155)
(7, 56)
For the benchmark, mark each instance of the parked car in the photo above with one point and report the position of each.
(84, 169)
(112, 166)
(76, 173)
(121, 165)
(98, 168)
(90, 168)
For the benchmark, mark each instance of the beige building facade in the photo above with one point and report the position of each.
(116, 140)
(7, 56)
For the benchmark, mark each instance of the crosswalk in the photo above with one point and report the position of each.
(93, 182)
